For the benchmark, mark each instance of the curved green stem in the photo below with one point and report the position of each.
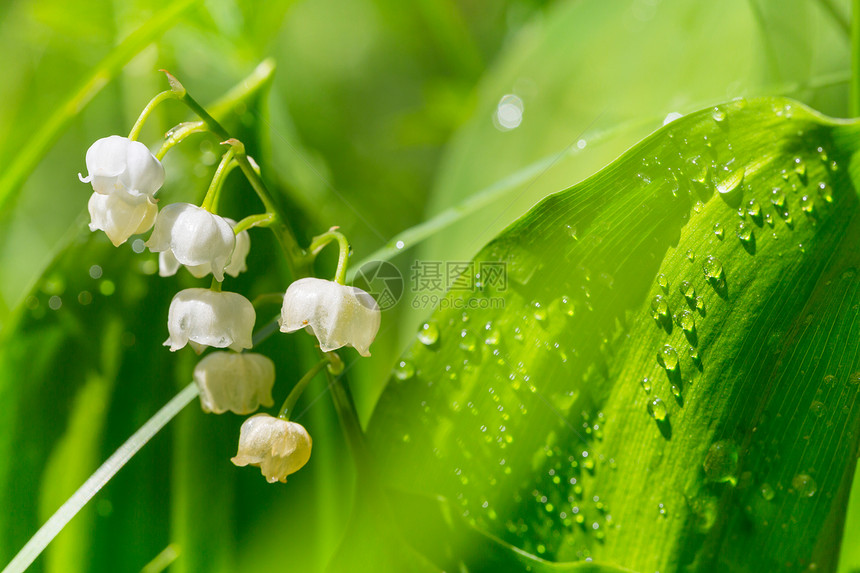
(177, 134)
(319, 242)
(147, 111)
(296, 392)
(216, 285)
(210, 201)
(259, 220)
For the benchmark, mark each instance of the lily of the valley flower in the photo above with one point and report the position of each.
(278, 447)
(240, 382)
(121, 216)
(192, 236)
(336, 314)
(118, 165)
(202, 317)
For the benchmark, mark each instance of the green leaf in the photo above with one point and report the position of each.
(718, 260)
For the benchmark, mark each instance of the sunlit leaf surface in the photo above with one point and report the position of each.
(665, 374)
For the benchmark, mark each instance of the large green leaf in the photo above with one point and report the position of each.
(713, 266)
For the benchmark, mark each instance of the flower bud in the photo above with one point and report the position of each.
(240, 382)
(278, 447)
(192, 236)
(202, 317)
(121, 216)
(336, 314)
(118, 165)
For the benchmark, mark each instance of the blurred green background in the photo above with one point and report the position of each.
(380, 116)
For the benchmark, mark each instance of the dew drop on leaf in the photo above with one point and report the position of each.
(753, 208)
(688, 290)
(659, 307)
(825, 191)
(777, 197)
(667, 357)
(404, 370)
(718, 230)
(566, 305)
(687, 321)
(744, 232)
(428, 334)
(804, 485)
(646, 385)
(807, 205)
(712, 268)
(663, 281)
(817, 409)
(767, 491)
(657, 409)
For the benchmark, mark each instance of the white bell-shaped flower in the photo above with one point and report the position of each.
(336, 314)
(168, 265)
(201, 317)
(278, 447)
(121, 216)
(240, 252)
(194, 237)
(240, 382)
(118, 165)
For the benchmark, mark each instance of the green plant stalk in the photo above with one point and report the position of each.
(319, 242)
(147, 111)
(210, 201)
(178, 134)
(259, 220)
(299, 264)
(299, 388)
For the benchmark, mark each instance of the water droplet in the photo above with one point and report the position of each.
(700, 303)
(744, 232)
(676, 390)
(807, 205)
(768, 219)
(571, 230)
(468, 342)
(694, 353)
(721, 462)
(663, 282)
(661, 509)
(767, 491)
(800, 168)
(825, 191)
(657, 409)
(817, 409)
(646, 385)
(688, 290)
(538, 311)
(822, 154)
(687, 321)
(718, 230)
(753, 208)
(732, 180)
(777, 197)
(712, 268)
(404, 370)
(659, 307)
(566, 305)
(718, 115)
(804, 485)
(429, 333)
(667, 357)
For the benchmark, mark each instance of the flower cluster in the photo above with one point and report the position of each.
(125, 177)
